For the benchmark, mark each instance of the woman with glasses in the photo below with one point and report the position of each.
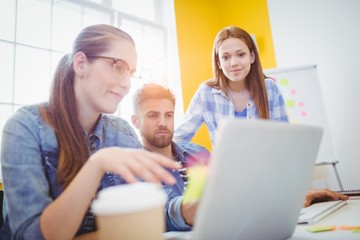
(57, 155)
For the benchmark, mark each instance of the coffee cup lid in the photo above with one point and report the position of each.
(128, 198)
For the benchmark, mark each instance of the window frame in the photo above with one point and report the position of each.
(164, 22)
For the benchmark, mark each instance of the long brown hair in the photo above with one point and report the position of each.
(255, 80)
(62, 113)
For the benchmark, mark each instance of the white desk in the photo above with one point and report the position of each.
(348, 215)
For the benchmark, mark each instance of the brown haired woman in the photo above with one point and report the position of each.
(239, 87)
(56, 156)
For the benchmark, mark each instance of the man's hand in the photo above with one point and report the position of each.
(188, 211)
(321, 195)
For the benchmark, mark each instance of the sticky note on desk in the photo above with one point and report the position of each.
(348, 228)
(316, 229)
(197, 178)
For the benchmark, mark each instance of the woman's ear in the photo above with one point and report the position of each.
(79, 63)
(252, 57)
(218, 64)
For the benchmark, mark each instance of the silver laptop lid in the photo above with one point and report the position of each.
(258, 177)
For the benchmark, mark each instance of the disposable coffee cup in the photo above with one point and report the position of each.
(130, 211)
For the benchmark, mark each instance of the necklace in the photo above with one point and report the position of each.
(240, 103)
(229, 95)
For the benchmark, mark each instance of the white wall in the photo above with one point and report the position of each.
(326, 33)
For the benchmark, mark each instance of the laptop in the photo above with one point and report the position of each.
(259, 173)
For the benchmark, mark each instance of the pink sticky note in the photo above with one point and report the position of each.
(345, 227)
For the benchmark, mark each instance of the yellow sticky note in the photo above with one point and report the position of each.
(321, 229)
(290, 103)
(356, 230)
(284, 82)
(197, 178)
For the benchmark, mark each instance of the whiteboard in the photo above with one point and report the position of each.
(302, 92)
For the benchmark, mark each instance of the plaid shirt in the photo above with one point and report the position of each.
(209, 105)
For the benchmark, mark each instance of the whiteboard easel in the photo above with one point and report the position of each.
(304, 102)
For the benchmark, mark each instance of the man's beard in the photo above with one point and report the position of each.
(159, 142)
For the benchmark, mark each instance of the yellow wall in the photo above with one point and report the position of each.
(197, 24)
(252, 15)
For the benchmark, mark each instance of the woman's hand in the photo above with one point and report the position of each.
(132, 163)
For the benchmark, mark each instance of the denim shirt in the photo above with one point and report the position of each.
(188, 154)
(29, 161)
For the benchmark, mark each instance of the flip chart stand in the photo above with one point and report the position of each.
(335, 170)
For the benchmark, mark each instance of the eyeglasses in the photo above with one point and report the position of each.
(121, 67)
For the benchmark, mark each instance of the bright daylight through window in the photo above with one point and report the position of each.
(35, 34)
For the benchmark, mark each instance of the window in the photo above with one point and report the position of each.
(35, 34)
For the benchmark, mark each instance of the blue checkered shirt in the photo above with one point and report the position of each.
(209, 105)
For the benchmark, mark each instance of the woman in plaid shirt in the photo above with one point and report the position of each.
(239, 87)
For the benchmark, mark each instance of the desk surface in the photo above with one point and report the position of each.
(348, 215)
